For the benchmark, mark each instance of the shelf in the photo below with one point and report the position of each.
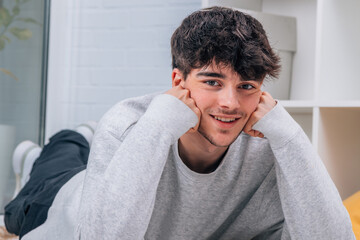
(297, 103)
(321, 104)
(345, 104)
(324, 93)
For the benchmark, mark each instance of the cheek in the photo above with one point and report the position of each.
(202, 100)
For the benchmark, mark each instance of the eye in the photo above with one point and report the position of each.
(247, 86)
(212, 83)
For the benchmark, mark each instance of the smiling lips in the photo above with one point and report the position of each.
(225, 122)
(224, 119)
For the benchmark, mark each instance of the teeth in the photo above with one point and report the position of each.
(224, 119)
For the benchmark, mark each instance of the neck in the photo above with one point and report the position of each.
(199, 154)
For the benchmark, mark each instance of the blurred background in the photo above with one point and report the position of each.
(101, 51)
(65, 62)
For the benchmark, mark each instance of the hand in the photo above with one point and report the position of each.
(266, 103)
(183, 94)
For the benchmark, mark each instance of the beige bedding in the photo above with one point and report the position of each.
(4, 235)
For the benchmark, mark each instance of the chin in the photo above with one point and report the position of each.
(225, 143)
(219, 140)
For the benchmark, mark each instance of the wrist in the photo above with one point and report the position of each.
(172, 114)
(277, 126)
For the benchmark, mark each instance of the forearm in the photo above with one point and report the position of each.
(310, 201)
(124, 196)
(311, 204)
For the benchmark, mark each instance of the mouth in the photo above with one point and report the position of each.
(225, 119)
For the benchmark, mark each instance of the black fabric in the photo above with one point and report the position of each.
(65, 155)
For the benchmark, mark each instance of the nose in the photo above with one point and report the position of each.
(229, 99)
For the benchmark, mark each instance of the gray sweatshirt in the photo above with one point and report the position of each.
(137, 187)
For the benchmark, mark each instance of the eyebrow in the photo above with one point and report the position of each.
(210, 74)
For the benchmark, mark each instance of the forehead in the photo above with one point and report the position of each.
(221, 70)
(216, 70)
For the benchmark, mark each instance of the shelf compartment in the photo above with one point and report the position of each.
(339, 147)
(304, 117)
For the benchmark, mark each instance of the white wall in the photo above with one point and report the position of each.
(104, 51)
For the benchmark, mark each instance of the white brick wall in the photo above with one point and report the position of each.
(104, 51)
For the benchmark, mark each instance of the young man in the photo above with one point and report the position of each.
(212, 158)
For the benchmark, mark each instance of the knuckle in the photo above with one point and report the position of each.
(256, 115)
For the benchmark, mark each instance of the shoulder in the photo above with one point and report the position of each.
(128, 108)
(125, 113)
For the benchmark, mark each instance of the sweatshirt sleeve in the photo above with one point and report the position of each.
(310, 202)
(125, 168)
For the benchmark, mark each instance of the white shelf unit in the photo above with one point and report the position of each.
(325, 81)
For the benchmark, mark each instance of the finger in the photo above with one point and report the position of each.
(182, 84)
(247, 129)
(266, 94)
(258, 134)
(186, 91)
(251, 133)
(179, 87)
(251, 122)
(198, 113)
(254, 133)
(264, 98)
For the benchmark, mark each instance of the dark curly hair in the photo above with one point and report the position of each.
(226, 36)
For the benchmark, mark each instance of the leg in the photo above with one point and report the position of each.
(23, 159)
(64, 156)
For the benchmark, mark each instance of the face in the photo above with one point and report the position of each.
(225, 100)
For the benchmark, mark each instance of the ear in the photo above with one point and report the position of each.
(177, 77)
